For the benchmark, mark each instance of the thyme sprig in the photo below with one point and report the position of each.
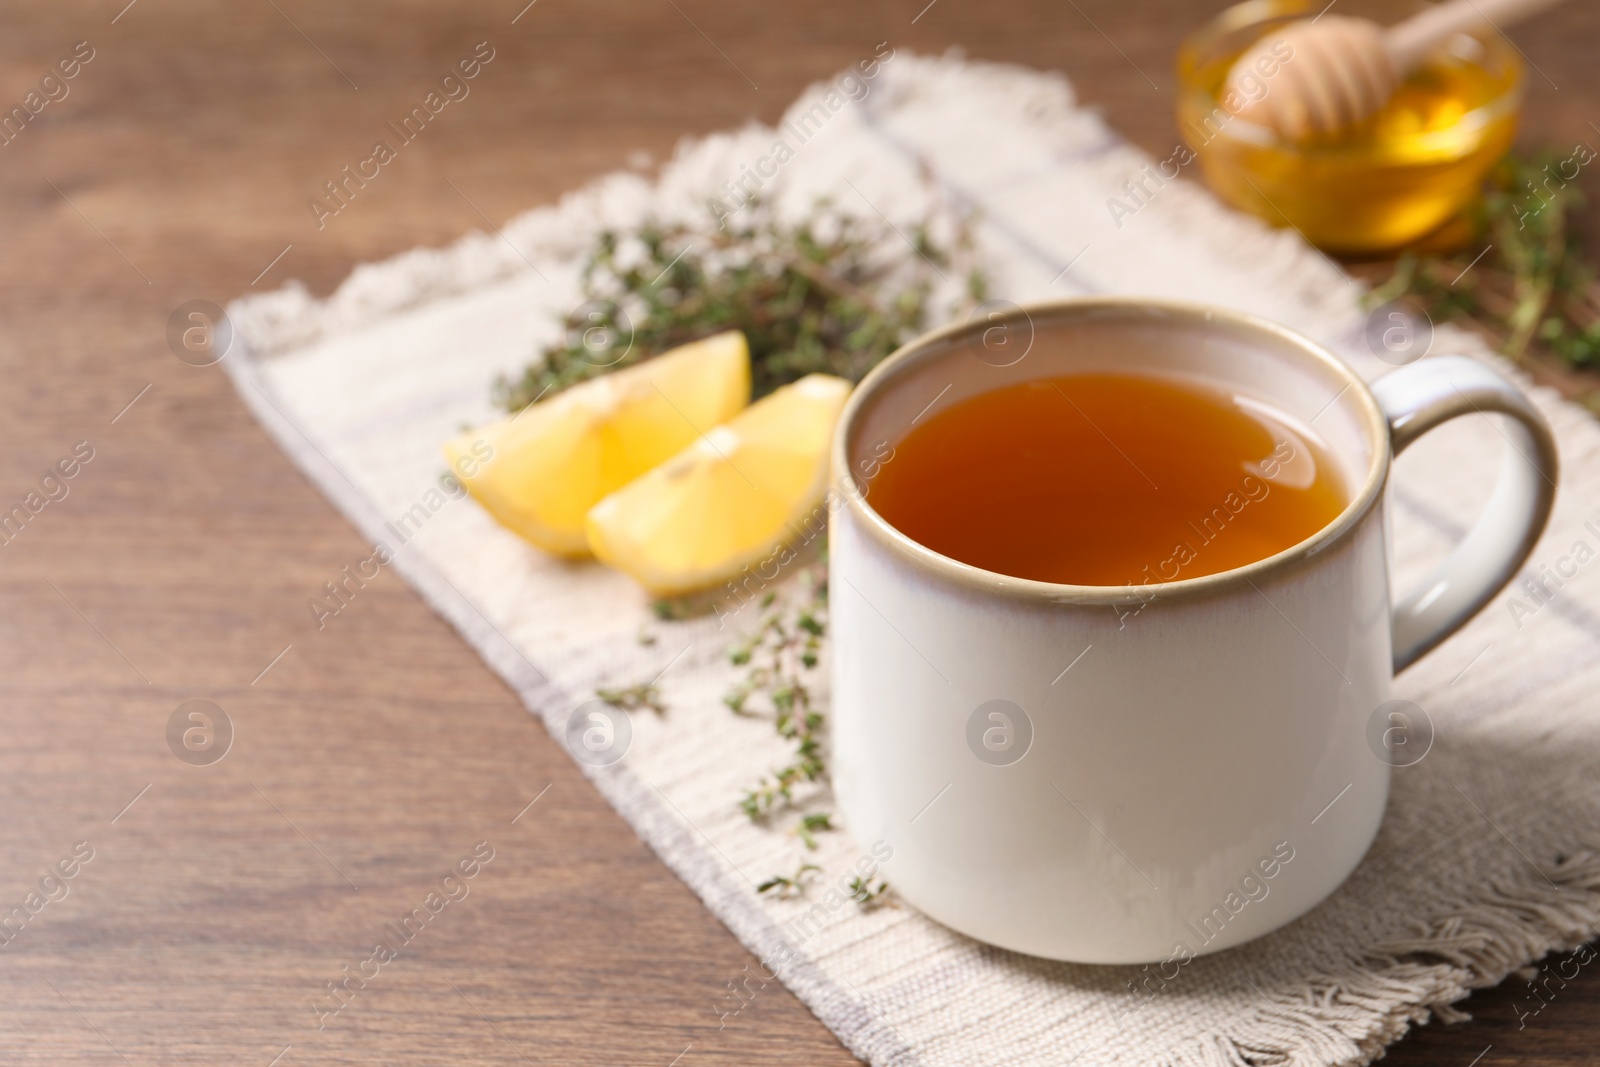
(831, 292)
(779, 655)
(1533, 286)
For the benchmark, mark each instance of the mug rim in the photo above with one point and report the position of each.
(993, 583)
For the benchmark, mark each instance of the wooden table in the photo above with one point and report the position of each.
(370, 756)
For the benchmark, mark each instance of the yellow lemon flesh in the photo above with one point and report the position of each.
(729, 500)
(553, 460)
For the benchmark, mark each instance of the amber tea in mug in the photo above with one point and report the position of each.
(1002, 731)
(1108, 479)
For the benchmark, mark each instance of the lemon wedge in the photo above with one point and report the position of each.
(731, 499)
(548, 465)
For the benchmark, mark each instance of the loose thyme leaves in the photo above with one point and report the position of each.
(793, 885)
(868, 896)
(810, 825)
(780, 654)
(634, 697)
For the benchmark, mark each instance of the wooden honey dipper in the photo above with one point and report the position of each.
(1343, 69)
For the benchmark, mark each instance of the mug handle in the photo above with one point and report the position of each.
(1421, 396)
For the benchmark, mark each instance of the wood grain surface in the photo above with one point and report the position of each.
(371, 756)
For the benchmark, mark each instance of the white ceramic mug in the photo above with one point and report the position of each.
(1126, 774)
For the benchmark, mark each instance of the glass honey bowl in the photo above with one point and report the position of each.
(1396, 178)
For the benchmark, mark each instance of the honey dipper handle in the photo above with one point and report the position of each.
(1409, 42)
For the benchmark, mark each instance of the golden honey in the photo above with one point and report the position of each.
(1399, 176)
